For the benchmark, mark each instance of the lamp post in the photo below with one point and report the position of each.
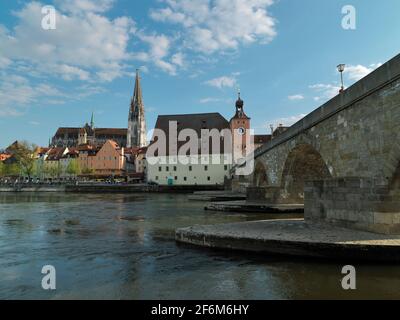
(341, 68)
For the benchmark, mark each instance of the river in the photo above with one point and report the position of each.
(122, 247)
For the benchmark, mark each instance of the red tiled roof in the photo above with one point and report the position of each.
(86, 147)
(136, 150)
(55, 154)
(4, 156)
(262, 138)
(98, 131)
(196, 122)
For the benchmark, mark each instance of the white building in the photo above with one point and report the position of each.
(171, 167)
(197, 172)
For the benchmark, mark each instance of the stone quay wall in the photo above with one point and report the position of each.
(358, 203)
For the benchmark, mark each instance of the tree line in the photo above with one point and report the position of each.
(25, 163)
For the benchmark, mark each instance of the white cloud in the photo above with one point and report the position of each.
(211, 26)
(178, 59)
(357, 72)
(84, 6)
(353, 73)
(159, 53)
(17, 93)
(222, 82)
(84, 44)
(325, 91)
(144, 69)
(69, 73)
(4, 62)
(286, 122)
(210, 100)
(296, 97)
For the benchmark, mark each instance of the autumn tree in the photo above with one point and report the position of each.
(24, 154)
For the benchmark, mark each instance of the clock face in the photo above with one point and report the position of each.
(242, 131)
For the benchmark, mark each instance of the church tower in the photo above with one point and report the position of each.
(240, 128)
(136, 123)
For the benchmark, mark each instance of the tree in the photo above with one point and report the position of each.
(2, 169)
(87, 171)
(53, 172)
(11, 169)
(25, 154)
(45, 171)
(73, 167)
(59, 170)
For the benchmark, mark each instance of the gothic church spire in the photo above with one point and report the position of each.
(136, 123)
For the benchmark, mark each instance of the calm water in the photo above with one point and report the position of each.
(122, 247)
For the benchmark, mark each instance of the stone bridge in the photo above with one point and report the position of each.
(342, 160)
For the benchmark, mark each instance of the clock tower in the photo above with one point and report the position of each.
(240, 128)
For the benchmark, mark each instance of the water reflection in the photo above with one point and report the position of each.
(122, 247)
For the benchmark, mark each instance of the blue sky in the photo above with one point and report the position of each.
(193, 56)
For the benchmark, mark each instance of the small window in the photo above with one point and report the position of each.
(208, 178)
(174, 168)
(176, 178)
(190, 168)
(185, 179)
(159, 169)
(205, 168)
(167, 169)
(226, 167)
(156, 177)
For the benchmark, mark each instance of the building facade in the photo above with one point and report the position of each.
(166, 165)
(105, 161)
(210, 162)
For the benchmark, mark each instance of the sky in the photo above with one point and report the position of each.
(193, 56)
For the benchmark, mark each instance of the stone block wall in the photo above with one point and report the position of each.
(239, 184)
(267, 195)
(359, 203)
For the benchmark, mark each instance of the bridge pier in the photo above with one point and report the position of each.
(359, 203)
(268, 194)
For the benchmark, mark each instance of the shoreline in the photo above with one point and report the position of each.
(102, 188)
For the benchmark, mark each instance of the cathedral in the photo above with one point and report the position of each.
(134, 136)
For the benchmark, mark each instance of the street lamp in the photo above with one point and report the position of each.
(341, 68)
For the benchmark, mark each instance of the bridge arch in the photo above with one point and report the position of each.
(260, 176)
(303, 163)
